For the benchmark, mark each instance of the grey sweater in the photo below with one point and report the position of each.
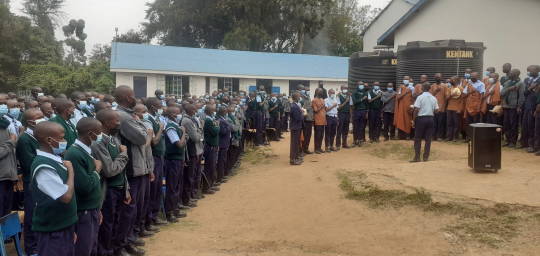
(133, 133)
(513, 98)
(8, 160)
(194, 133)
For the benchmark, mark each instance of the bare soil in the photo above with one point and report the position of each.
(272, 208)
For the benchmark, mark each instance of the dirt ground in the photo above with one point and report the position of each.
(272, 208)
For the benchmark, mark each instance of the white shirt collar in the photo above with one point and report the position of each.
(83, 146)
(424, 93)
(30, 131)
(49, 155)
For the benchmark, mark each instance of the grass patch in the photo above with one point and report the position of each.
(259, 155)
(491, 226)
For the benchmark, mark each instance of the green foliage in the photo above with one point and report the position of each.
(44, 13)
(75, 37)
(132, 36)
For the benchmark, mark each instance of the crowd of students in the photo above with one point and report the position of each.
(99, 172)
(393, 112)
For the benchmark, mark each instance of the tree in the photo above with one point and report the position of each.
(132, 36)
(44, 13)
(75, 37)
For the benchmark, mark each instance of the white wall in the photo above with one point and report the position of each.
(509, 29)
(197, 85)
(282, 84)
(245, 83)
(153, 81)
(393, 13)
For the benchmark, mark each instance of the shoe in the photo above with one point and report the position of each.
(530, 150)
(416, 160)
(337, 149)
(295, 162)
(146, 233)
(506, 145)
(122, 252)
(426, 159)
(512, 145)
(328, 150)
(192, 204)
(134, 250)
(160, 222)
(318, 151)
(183, 207)
(209, 192)
(346, 146)
(307, 152)
(138, 242)
(215, 188)
(152, 228)
(180, 214)
(171, 218)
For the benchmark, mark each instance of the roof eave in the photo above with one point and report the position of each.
(385, 38)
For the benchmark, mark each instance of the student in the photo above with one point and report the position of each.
(87, 185)
(113, 156)
(319, 117)
(195, 147)
(375, 105)
(224, 143)
(507, 67)
(297, 120)
(155, 114)
(53, 190)
(344, 117)
(454, 109)
(512, 100)
(48, 112)
(425, 108)
(402, 116)
(64, 109)
(492, 98)
(474, 91)
(8, 165)
(274, 106)
(331, 104)
(211, 145)
(13, 117)
(439, 91)
(175, 146)
(236, 137)
(389, 100)
(26, 152)
(529, 106)
(308, 119)
(360, 114)
(81, 107)
(286, 103)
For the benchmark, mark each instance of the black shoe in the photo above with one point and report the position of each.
(318, 151)
(512, 145)
(416, 160)
(138, 242)
(328, 150)
(346, 146)
(296, 162)
(215, 188)
(134, 250)
(192, 204)
(425, 159)
(160, 222)
(152, 228)
(180, 214)
(209, 192)
(171, 218)
(146, 233)
(307, 152)
(530, 150)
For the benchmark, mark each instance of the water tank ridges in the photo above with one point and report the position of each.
(449, 57)
(372, 67)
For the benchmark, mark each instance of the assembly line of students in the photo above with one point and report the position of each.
(92, 167)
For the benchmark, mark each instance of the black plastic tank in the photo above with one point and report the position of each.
(449, 57)
(379, 66)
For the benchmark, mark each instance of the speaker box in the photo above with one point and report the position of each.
(485, 146)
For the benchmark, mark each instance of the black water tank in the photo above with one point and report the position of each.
(372, 67)
(449, 57)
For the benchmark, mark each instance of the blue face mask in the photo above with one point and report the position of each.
(114, 104)
(179, 118)
(303, 91)
(467, 76)
(161, 97)
(159, 112)
(406, 82)
(390, 89)
(15, 112)
(487, 73)
(82, 104)
(360, 87)
(146, 116)
(62, 146)
(529, 74)
(4, 109)
(376, 88)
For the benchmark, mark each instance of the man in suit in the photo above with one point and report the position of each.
(297, 120)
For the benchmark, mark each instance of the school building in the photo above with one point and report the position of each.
(181, 70)
(507, 28)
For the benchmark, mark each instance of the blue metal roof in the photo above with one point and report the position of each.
(144, 57)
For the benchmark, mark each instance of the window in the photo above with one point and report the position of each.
(176, 85)
(227, 82)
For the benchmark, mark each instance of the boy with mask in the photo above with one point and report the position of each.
(344, 117)
(87, 185)
(113, 156)
(26, 152)
(331, 104)
(375, 105)
(474, 91)
(529, 106)
(319, 117)
(402, 116)
(440, 92)
(389, 100)
(13, 117)
(211, 145)
(53, 190)
(360, 113)
(512, 100)
(65, 109)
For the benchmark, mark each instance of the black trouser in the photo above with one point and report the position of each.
(536, 133)
(510, 125)
(295, 144)
(491, 118)
(330, 132)
(527, 128)
(473, 119)
(275, 123)
(389, 130)
(306, 130)
(285, 122)
(440, 125)
(374, 124)
(344, 119)
(319, 135)
(452, 124)
(424, 127)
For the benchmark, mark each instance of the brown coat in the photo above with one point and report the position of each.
(441, 93)
(402, 116)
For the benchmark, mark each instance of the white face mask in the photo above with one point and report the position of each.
(406, 82)
(344, 90)
(491, 80)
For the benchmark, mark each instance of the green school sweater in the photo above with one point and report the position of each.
(211, 133)
(172, 151)
(376, 104)
(26, 152)
(119, 180)
(346, 108)
(359, 104)
(87, 181)
(70, 132)
(51, 215)
(158, 150)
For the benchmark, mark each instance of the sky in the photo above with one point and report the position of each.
(103, 16)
